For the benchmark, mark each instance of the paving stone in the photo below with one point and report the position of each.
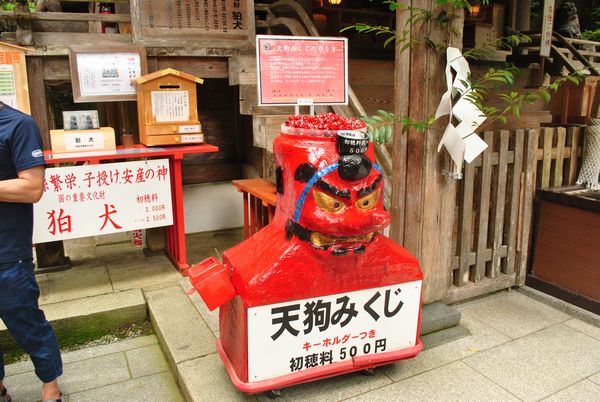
(78, 376)
(540, 364)
(583, 391)
(85, 316)
(110, 348)
(482, 337)
(210, 317)
(133, 299)
(183, 334)
(571, 309)
(157, 387)
(142, 273)
(206, 379)
(438, 338)
(93, 373)
(88, 353)
(146, 361)
(513, 313)
(78, 282)
(595, 378)
(584, 327)
(332, 389)
(453, 382)
(23, 387)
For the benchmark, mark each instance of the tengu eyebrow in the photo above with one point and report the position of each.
(369, 189)
(332, 190)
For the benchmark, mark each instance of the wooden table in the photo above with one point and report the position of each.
(260, 197)
(176, 248)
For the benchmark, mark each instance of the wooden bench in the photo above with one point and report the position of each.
(260, 197)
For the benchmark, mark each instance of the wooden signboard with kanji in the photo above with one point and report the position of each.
(14, 90)
(201, 23)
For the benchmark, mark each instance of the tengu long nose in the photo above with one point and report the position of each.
(351, 145)
(354, 167)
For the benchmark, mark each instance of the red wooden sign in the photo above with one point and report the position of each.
(302, 70)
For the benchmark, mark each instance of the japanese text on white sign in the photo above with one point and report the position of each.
(108, 74)
(170, 106)
(303, 334)
(89, 200)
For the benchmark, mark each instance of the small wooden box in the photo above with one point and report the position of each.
(167, 111)
(100, 139)
(573, 103)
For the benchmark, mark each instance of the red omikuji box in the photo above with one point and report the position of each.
(320, 291)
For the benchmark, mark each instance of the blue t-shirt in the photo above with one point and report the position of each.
(20, 149)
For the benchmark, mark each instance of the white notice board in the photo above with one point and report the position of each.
(290, 337)
(90, 200)
(106, 73)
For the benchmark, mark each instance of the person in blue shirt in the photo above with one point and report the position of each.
(21, 184)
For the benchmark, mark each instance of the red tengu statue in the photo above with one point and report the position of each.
(319, 291)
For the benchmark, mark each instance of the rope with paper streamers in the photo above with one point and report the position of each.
(461, 141)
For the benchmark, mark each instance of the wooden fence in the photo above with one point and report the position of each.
(495, 203)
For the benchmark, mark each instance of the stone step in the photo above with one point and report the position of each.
(85, 319)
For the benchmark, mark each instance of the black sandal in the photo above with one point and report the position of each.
(4, 394)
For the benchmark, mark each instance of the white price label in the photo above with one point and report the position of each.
(192, 138)
(192, 128)
(84, 141)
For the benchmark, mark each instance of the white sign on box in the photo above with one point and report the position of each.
(90, 200)
(84, 141)
(294, 336)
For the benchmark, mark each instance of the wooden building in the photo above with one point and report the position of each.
(472, 236)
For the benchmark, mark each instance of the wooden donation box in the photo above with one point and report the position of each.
(565, 259)
(167, 108)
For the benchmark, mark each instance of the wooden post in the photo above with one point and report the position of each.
(37, 97)
(399, 144)
(423, 200)
(50, 256)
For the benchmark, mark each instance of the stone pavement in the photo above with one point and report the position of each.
(513, 347)
(130, 370)
(518, 349)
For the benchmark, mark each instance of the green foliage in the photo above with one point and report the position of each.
(593, 34)
(495, 82)
(9, 5)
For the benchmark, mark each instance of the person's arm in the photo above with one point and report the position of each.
(27, 187)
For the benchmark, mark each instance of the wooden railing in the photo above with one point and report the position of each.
(495, 204)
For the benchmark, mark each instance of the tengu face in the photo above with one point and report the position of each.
(338, 204)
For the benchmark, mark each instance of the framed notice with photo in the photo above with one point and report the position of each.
(106, 73)
(293, 70)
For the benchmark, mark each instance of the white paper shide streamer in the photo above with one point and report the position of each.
(461, 141)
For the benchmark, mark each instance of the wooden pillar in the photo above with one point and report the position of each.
(422, 198)
(50, 256)
(37, 97)
(523, 13)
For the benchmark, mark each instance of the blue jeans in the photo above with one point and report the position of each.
(25, 321)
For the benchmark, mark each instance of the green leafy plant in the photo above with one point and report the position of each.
(9, 5)
(593, 34)
(495, 82)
